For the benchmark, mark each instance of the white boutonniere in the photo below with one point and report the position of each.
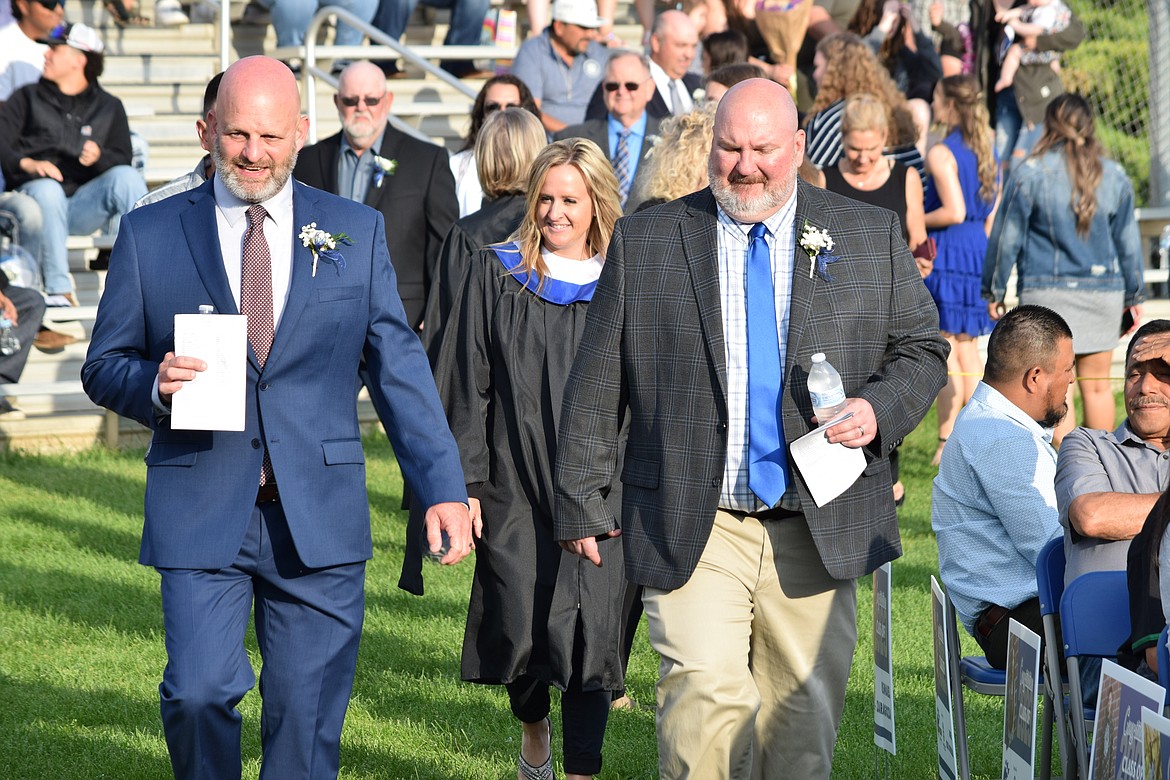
(817, 244)
(384, 168)
(699, 95)
(323, 245)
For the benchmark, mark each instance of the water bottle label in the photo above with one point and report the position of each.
(828, 398)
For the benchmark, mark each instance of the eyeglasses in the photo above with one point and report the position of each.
(614, 86)
(491, 108)
(352, 102)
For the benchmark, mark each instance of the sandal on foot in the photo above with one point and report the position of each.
(543, 771)
(124, 17)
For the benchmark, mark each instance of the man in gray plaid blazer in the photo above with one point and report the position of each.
(751, 604)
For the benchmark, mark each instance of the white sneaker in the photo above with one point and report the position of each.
(60, 300)
(168, 13)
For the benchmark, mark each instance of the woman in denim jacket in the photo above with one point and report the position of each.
(1067, 222)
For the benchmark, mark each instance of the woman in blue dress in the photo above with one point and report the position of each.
(539, 617)
(960, 208)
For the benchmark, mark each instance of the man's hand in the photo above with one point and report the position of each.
(1153, 346)
(452, 517)
(587, 547)
(476, 519)
(173, 372)
(90, 153)
(41, 169)
(8, 309)
(859, 430)
(995, 310)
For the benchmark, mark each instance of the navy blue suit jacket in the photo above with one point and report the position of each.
(201, 485)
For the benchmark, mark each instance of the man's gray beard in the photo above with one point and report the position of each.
(236, 186)
(737, 206)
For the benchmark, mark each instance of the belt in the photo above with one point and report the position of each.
(267, 494)
(776, 513)
(989, 619)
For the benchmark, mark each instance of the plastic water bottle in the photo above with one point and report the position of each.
(825, 389)
(9, 343)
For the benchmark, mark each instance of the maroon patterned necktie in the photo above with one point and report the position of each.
(256, 300)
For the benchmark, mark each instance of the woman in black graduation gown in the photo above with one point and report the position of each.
(538, 616)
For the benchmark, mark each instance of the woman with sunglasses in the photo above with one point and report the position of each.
(539, 616)
(498, 92)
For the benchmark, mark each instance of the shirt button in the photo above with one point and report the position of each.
(255, 444)
(263, 385)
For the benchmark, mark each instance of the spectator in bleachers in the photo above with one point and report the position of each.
(564, 64)
(65, 142)
(845, 66)
(626, 131)
(206, 167)
(1066, 224)
(538, 19)
(729, 47)
(290, 18)
(994, 504)
(22, 55)
(24, 308)
(890, 30)
(465, 29)
(497, 93)
(408, 180)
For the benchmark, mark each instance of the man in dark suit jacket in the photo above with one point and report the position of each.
(749, 585)
(625, 114)
(273, 517)
(408, 180)
(672, 49)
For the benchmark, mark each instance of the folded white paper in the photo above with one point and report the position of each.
(828, 469)
(214, 400)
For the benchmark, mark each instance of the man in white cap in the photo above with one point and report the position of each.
(65, 142)
(564, 64)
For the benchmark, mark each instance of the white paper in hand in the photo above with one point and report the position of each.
(828, 469)
(214, 400)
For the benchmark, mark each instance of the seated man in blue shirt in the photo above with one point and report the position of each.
(564, 64)
(994, 502)
(625, 133)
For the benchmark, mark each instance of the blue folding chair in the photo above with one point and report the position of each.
(1094, 622)
(974, 672)
(1050, 565)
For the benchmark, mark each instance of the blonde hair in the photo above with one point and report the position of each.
(1069, 124)
(864, 112)
(600, 182)
(966, 100)
(677, 165)
(507, 144)
(852, 68)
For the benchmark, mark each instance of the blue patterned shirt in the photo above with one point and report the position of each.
(733, 247)
(994, 505)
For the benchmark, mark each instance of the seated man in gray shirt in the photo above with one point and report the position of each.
(1108, 481)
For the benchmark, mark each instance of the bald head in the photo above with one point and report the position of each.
(257, 128)
(673, 43)
(757, 150)
(363, 104)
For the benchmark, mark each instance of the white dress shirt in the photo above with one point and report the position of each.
(662, 81)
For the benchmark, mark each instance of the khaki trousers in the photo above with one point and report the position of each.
(756, 649)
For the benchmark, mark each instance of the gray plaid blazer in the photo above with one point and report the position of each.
(653, 351)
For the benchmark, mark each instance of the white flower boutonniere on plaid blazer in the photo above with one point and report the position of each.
(323, 245)
(817, 244)
(384, 168)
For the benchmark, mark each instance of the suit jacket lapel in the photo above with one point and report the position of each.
(389, 150)
(202, 234)
(700, 247)
(300, 283)
(803, 286)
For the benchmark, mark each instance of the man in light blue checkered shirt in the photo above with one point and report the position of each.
(994, 503)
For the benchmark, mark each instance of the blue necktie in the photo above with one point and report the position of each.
(767, 452)
(621, 164)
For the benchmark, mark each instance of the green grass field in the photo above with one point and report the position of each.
(81, 646)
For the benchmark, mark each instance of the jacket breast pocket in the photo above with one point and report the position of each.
(343, 451)
(329, 294)
(640, 473)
